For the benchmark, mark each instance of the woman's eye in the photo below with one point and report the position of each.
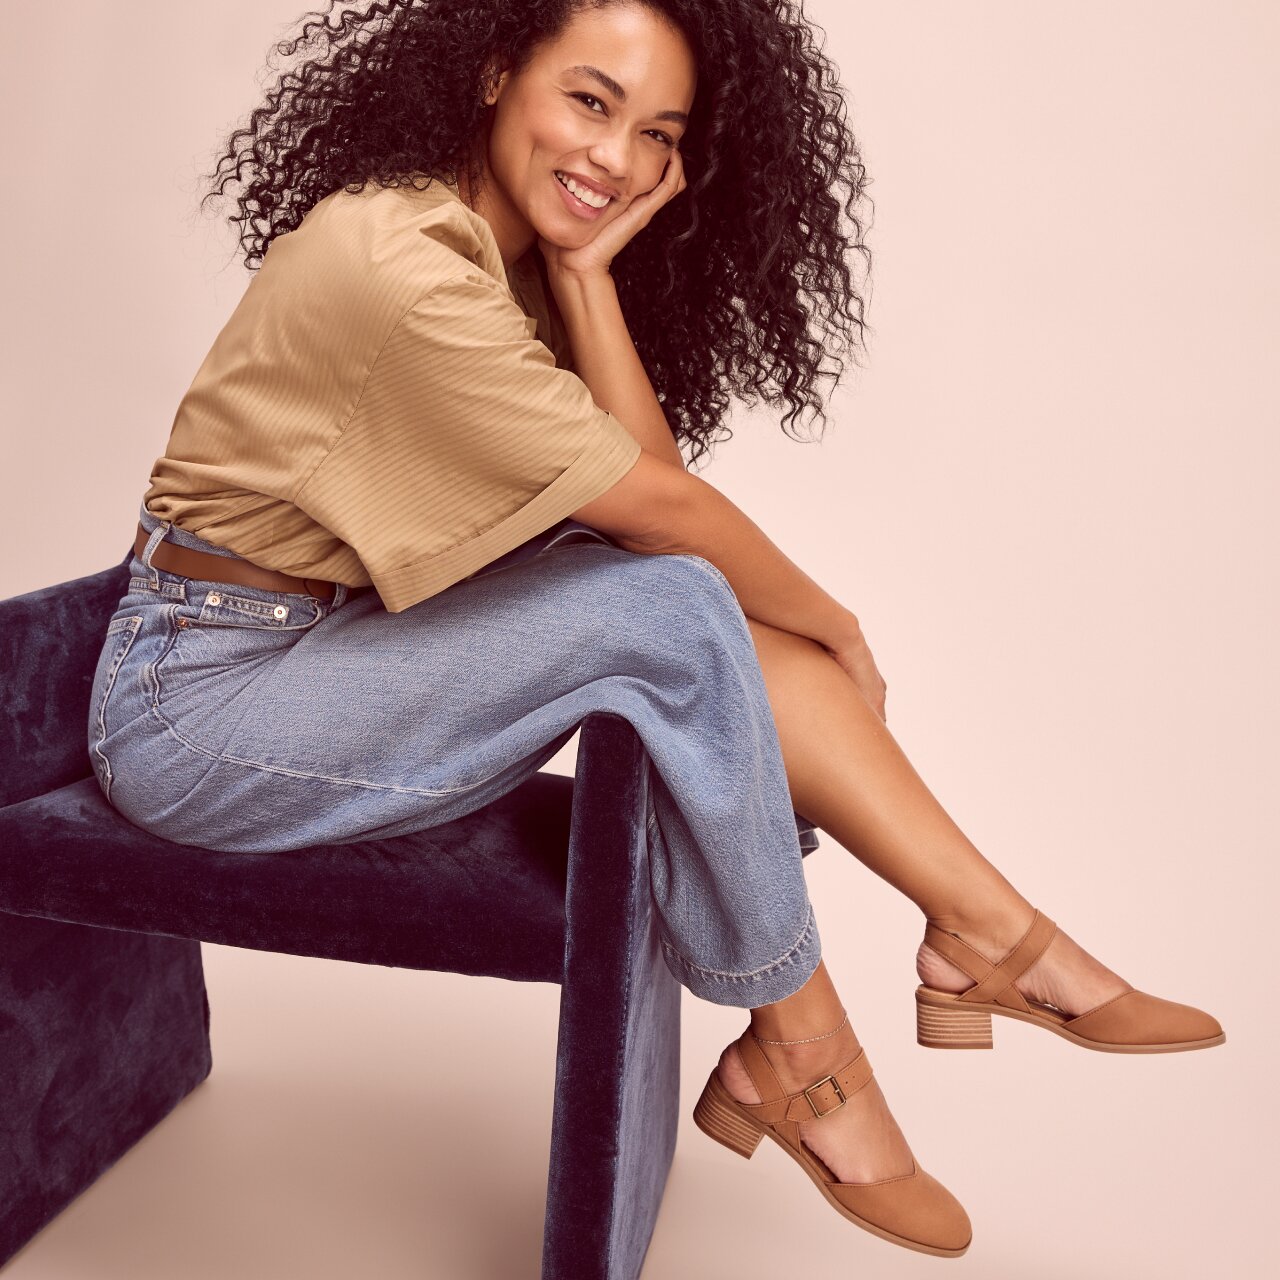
(590, 97)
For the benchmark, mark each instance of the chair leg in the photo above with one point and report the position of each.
(617, 1095)
(102, 1034)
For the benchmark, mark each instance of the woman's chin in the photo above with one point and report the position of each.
(563, 238)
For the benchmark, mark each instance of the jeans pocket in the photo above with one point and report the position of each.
(119, 637)
(254, 610)
(217, 639)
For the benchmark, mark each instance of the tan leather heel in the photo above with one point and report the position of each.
(913, 1210)
(718, 1120)
(943, 1027)
(1132, 1022)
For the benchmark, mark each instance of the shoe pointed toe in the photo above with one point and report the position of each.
(1139, 1018)
(916, 1207)
(1188, 1022)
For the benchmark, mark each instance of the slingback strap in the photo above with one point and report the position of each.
(823, 1096)
(994, 982)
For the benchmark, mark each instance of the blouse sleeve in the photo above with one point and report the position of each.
(466, 441)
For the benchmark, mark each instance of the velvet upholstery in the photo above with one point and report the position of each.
(104, 1017)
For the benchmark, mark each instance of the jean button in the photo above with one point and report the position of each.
(214, 598)
(281, 611)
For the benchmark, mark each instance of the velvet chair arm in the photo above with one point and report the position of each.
(49, 645)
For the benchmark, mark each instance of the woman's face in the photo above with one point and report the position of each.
(603, 104)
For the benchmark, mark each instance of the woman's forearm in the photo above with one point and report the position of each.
(605, 358)
(770, 586)
(701, 520)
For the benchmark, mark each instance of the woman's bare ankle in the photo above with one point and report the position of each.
(796, 1066)
(1064, 976)
(994, 931)
(799, 1065)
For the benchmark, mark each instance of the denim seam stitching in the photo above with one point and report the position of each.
(302, 773)
(708, 568)
(753, 974)
(132, 626)
(154, 689)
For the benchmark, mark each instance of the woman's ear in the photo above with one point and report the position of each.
(492, 82)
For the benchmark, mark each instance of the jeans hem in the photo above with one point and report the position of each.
(774, 981)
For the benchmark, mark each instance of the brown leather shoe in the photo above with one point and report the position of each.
(1132, 1022)
(914, 1209)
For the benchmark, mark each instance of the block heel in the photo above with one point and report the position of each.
(717, 1120)
(940, 1027)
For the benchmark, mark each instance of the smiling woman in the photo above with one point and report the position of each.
(424, 508)
(604, 146)
(749, 286)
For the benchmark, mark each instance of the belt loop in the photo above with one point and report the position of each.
(156, 538)
(340, 590)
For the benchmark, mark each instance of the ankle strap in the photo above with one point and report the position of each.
(994, 981)
(826, 1094)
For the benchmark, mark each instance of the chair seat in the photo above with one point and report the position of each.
(104, 1016)
(68, 855)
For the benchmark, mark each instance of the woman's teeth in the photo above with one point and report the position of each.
(585, 194)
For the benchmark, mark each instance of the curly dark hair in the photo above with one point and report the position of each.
(742, 285)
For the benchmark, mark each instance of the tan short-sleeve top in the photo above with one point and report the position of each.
(387, 404)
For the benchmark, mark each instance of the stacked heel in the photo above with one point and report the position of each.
(716, 1117)
(944, 1027)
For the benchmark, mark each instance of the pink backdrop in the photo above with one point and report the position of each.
(1045, 498)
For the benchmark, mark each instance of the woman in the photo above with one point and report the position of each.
(424, 508)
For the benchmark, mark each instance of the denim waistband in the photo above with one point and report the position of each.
(182, 537)
(166, 531)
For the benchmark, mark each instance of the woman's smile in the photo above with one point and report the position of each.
(579, 207)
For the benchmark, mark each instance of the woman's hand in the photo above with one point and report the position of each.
(853, 655)
(594, 257)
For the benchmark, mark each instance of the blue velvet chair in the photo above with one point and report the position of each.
(104, 1017)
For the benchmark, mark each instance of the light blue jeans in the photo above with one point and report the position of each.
(240, 719)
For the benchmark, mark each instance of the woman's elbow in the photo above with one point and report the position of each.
(648, 508)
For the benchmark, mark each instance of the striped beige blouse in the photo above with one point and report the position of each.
(387, 404)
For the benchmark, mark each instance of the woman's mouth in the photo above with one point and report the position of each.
(584, 203)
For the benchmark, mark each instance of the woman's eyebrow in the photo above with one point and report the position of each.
(678, 117)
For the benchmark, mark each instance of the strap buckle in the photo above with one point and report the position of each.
(835, 1084)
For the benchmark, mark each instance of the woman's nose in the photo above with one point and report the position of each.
(613, 161)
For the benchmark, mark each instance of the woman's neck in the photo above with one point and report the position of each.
(513, 235)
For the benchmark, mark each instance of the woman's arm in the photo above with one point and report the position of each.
(659, 506)
(605, 358)
(645, 513)
(657, 509)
